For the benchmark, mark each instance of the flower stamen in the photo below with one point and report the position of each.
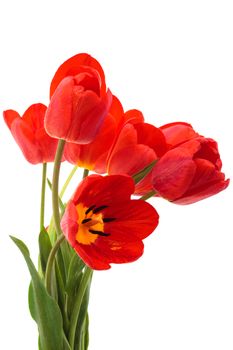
(96, 210)
(108, 219)
(100, 233)
(90, 209)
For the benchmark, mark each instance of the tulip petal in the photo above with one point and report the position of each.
(173, 173)
(152, 137)
(209, 151)
(71, 67)
(178, 132)
(9, 117)
(102, 190)
(206, 182)
(135, 217)
(133, 116)
(131, 159)
(23, 136)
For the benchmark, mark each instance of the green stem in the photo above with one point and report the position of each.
(42, 202)
(55, 194)
(68, 180)
(56, 215)
(85, 173)
(148, 195)
(77, 305)
(49, 267)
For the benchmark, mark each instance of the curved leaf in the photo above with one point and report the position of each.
(43, 308)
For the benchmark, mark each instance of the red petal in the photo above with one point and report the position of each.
(71, 67)
(9, 117)
(92, 257)
(131, 159)
(58, 117)
(116, 109)
(100, 190)
(133, 116)
(29, 133)
(88, 117)
(206, 182)
(134, 218)
(93, 155)
(209, 151)
(173, 173)
(151, 136)
(98, 256)
(34, 116)
(212, 189)
(178, 132)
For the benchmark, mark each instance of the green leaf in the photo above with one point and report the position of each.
(31, 301)
(74, 273)
(45, 247)
(43, 308)
(142, 173)
(81, 335)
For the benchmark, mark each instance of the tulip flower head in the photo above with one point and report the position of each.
(104, 225)
(29, 133)
(190, 172)
(79, 100)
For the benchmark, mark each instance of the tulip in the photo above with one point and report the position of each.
(190, 172)
(104, 225)
(29, 133)
(79, 100)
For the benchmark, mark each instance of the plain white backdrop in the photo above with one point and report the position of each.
(173, 60)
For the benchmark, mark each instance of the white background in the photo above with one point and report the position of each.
(174, 61)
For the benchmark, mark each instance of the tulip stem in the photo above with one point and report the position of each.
(85, 173)
(68, 180)
(42, 202)
(56, 215)
(55, 194)
(49, 267)
(77, 305)
(148, 195)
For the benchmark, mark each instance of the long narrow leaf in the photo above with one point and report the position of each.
(44, 309)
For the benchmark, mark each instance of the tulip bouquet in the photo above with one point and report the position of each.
(107, 218)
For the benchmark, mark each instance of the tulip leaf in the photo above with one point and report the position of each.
(43, 308)
(31, 301)
(81, 335)
(142, 173)
(74, 273)
(45, 247)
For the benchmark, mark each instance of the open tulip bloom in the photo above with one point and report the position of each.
(107, 218)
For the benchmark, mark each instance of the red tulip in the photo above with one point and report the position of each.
(29, 133)
(104, 225)
(79, 100)
(190, 172)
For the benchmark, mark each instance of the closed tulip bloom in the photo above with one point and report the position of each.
(104, 225)
(29, 133)
(79, 100)
(190, 172)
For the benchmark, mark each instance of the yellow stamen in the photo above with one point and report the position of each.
(95, 224)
